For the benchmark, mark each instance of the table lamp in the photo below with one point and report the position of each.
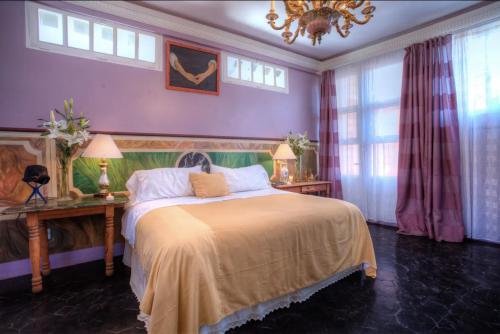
(102, 147)
(282, 155)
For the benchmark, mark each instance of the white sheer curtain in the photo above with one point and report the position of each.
(476, 62)
(368, 102)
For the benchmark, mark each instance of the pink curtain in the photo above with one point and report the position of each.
(329, 161)
(428, 201)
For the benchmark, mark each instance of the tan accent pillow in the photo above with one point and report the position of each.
(209, 185)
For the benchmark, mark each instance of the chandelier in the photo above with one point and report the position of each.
(318, 16)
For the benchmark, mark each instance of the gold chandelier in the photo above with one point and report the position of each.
(318, 16)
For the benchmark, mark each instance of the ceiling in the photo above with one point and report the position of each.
(247, 18)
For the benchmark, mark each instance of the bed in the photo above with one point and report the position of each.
(206, 265)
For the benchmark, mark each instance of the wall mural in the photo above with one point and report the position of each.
(139, 153)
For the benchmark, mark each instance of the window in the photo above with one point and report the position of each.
(253, 73)
(57, 31)
(476, 67)
(368, 99)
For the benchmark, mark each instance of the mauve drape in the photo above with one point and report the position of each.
(329, 157)
(429, 200)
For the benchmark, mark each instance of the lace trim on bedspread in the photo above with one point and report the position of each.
(260, 311)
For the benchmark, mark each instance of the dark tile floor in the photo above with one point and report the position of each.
(422, 287)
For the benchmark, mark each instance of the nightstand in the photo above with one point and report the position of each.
(37, 212)
(309, 187)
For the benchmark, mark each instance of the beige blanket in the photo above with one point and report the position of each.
(206, 261)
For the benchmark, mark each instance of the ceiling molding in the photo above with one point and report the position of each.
(467, 20)
(176, 24)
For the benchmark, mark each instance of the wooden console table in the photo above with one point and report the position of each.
(319, 187)
(37, 213)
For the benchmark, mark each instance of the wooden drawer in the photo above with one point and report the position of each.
(314, 188)
(293, 189)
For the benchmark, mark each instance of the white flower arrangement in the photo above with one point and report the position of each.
(68, 131)
(298, 142)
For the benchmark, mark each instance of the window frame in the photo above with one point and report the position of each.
(227, 79)
(33, 42)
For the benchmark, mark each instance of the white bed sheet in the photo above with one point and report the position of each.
(134, 213)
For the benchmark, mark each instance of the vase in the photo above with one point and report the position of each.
(64, 155)
(298, 169)
(63, 182)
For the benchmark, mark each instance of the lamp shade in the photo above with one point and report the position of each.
(102, 146)
(284, 152)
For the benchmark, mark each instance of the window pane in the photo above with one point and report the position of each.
(280, 78)
(50, 27)
(384, 159)
(103, 38)
(78, 33)
(347, 91)
(386, 121)
(125, 43)
(233, 67)
(269, 75)
(348, 125)
(147, 48)
(349, 160)
(258, 73)
(246, 70)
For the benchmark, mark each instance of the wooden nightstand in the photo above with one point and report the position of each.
(37, 228)
(310, 187)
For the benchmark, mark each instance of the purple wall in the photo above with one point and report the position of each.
(127, 99)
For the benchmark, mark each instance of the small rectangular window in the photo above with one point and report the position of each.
(246, 70)
(233, 67)
(50, 27)
(269, 75)
(254, 73)
(78, 33)
(280, 78)
(147, 48)
(103, 38)
(53, 30)
(125, 43)
(258, 73)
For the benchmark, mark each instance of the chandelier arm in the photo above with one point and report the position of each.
(295, 35)
(293, 10)
(357, 4)
(362, 21)
(287, 22)
(340, 32)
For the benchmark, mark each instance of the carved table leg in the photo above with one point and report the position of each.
(34, 243)
(44, 248)
(108, 239)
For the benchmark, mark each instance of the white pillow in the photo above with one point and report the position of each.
(147, 185)
(245, 178)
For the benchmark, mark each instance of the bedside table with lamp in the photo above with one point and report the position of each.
(283, 154)
(102, 146)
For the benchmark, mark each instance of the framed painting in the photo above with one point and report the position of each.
(192, 69)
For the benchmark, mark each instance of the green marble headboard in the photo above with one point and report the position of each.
(86, 171)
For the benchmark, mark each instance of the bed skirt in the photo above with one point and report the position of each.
(138, 283)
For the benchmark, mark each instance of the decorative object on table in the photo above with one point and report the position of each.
(192, 69)
(282, 155)
(298, 143)
(318, 17)
(103, 147)
(36, 176)
(69, 133)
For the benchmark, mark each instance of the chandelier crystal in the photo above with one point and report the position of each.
(317, 17)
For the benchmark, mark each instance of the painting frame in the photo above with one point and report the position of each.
(168, 68)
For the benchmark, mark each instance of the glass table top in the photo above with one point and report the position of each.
(55, 204)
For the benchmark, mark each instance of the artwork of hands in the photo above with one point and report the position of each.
(194, 78)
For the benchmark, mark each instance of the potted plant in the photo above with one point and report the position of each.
(69, 133)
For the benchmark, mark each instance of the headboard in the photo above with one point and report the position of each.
(86, 171)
